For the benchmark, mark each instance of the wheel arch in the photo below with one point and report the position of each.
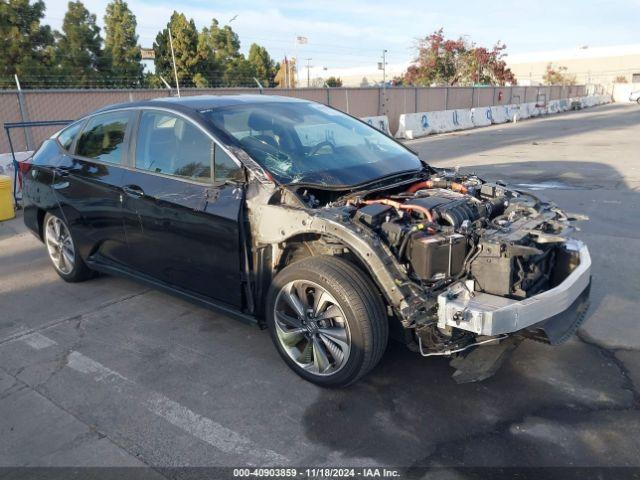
(303, 245)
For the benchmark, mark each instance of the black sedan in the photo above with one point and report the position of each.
(292, 215)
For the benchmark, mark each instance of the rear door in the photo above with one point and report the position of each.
(88, 184)
(181, 223)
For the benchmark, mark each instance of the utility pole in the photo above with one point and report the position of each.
(308, 75)
(173, 57)
(383, 66)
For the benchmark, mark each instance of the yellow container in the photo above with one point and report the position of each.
(6, 199)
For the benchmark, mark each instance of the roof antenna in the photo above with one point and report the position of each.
(259, 84)
(173, 57)
(165, 83)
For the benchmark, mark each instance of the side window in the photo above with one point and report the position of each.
(68, 135)
(103, 137)
(172, 145)
(225, 167)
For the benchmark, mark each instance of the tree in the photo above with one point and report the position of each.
(27, 46)
(333, 82)
(263, 65)
(79, 55)
(558, 76)
(286, 74)
(121, 44)
(224, 42)
(443, 61)
(227, 66)
(189, 58)
(620, 79)
(239, 72)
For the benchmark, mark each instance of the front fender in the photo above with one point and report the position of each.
(274, 224)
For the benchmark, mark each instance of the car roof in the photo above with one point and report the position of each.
(206, 102)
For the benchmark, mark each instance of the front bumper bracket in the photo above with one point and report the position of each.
(553, 311)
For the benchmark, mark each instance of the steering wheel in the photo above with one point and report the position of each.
(324, 143)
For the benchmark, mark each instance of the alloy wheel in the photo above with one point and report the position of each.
(312, 328)
(60, 245)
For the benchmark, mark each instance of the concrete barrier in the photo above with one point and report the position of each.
(380, 122)
(462, 116)
(481, 116)
(523, 111)
(532, 110)
(513, 112)
(442, 121)
(564, 105)
(414, 125)
(499, 114)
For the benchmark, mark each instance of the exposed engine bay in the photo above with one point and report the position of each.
(461, 262)
(499, 237)
(457, 239)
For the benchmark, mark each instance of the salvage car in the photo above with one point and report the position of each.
(301, 219)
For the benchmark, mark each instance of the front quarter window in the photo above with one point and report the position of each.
(68, 135)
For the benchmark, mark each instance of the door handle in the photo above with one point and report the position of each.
(133, 191)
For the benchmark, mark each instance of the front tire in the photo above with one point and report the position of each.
(327, 320)
(62, 250)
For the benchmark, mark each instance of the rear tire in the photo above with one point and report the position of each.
(62, 250)
(327, 320)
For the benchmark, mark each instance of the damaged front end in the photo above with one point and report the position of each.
(467, 268)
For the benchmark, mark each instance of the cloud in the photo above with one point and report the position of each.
(349, 33)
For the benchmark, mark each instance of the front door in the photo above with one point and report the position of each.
(181, 223)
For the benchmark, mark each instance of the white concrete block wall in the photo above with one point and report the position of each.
(481, 116)
(416, 125)
(499, 114)
(463, 118)
(380, 122)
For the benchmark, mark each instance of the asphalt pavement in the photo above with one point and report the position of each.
(112, 373)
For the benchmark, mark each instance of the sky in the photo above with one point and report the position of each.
(353, 33)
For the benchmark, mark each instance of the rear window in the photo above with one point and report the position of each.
(103, 137)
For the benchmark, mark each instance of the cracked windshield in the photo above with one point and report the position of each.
(301, 142)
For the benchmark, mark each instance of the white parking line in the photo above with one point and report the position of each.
(84, 364)
(207, 430)
(38, 341)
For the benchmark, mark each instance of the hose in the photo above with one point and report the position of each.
(455, 186)
(401, 206)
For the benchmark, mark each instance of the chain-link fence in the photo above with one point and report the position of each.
(43, 105)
